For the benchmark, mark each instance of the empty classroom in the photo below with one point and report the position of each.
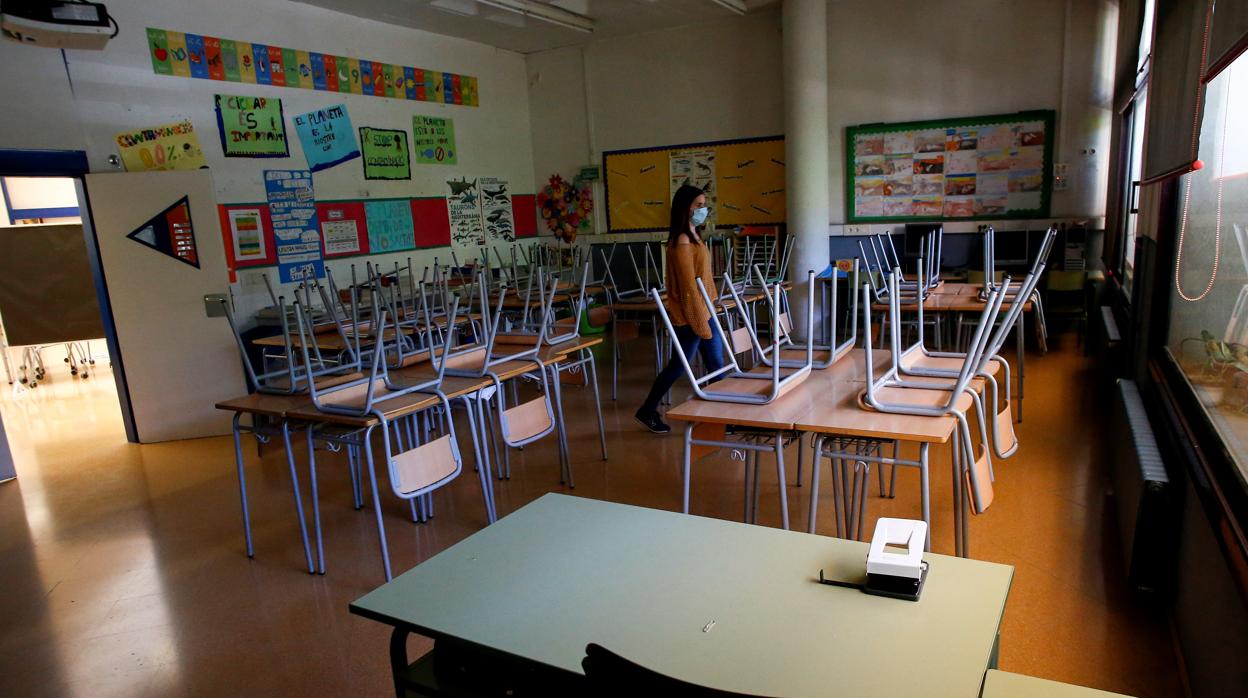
(624, 347)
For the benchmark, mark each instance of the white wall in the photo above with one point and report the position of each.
(909, 60)
(711, 81)
(900, 60)
(85, 101)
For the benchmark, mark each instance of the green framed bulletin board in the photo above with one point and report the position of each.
(975, 168)
(743, 180)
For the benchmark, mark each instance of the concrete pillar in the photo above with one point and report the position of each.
(804, 24)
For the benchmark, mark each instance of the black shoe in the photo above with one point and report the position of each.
(652, 422)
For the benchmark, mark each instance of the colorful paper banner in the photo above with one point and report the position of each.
(433, 139)
(385, 153)
(208, 58)
(295, 231)
(389, 225)
(168, 147)
(251, 127)
(327, 137)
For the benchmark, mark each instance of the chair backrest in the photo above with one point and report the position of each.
(970, 364)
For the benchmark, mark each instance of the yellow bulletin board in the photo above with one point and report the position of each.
(748, 178)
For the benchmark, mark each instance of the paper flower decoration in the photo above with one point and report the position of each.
(565, 207)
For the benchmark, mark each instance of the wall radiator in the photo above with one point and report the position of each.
(1143, 492)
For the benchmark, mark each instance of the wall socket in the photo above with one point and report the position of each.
(859, 229)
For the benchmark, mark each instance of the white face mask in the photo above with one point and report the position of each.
(698, 217)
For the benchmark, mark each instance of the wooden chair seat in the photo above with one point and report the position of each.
(1005, 430)
(322, 382)
(425, 465)
(510, 369)
(527, 420)
(917, 359)
(356, 396)
(821, 355)
(916, 397)
(981, 495)
(469, 360)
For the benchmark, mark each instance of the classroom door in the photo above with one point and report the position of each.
(161, 252)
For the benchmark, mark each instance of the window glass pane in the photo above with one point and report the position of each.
(1146, 35)
(1135, 160)
(1209, 306)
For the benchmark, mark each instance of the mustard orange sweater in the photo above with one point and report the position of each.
(685, 263)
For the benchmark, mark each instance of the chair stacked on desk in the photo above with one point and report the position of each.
(398, 368)
(935, 397)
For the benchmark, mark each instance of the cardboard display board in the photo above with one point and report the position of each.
(744, 181)
(48, 294)
(975, 168)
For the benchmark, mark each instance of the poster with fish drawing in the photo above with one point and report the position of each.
(496, 209)
(433, 139)
(696, 168)
(464, 207)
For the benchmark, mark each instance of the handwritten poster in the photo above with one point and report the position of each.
(433, 138)
(295, 231)
(251, 127)
(247, 232)
(389, 225)
(385, 153)
(327, 137)
(464, 208)
(168, 147)
(496, 209)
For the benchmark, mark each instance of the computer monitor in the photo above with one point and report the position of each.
(1011, 248)
(916, 233)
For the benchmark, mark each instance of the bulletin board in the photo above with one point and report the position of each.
(354, 227)
(745, 180)
(48, 295)
(976, 168)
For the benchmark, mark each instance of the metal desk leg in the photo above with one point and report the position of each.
(801, 457)
(615, 358)
(561, 433)
(316, 503)
(784, 491)
(814, 483)
(593, 378)
(1022, 346)
(924, 493)
(372, 481)
(242, 483)
(398, 660)
(483, 469)
(686, 465)
(294, 485)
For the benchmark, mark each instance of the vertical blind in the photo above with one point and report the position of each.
(1175, 89)
(1228, 37)
(1193, 41)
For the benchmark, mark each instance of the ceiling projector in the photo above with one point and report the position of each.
(54, 24)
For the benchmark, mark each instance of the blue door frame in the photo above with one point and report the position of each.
(73, 163)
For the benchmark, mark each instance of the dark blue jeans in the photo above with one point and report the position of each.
(712, 358)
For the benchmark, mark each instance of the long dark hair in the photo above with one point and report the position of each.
(681, 203)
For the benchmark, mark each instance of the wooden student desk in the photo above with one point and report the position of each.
(826, 405)
(711, 602)
(264, 408)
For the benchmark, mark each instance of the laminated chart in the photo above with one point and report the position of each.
(977, 168)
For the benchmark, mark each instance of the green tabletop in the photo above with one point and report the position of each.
(1003, 684)
(716, 603)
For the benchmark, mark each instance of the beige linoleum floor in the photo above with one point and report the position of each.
(123, 571)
